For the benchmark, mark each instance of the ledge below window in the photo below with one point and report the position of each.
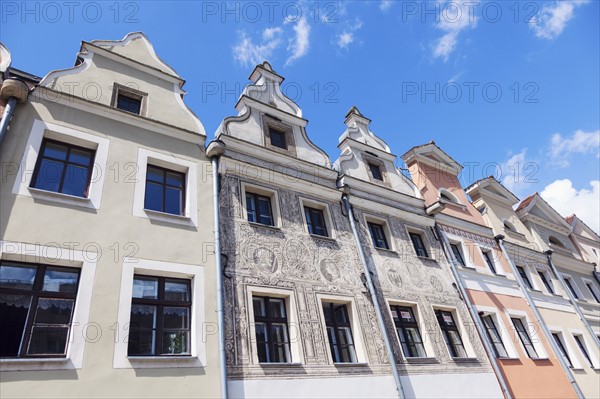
(326, 238)
(164, 361)
(266, 226)
(422, 360)
(168, 217)
(53, 196)
(465, 359)
(27, 364)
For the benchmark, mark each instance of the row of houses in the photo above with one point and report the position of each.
(351, 278)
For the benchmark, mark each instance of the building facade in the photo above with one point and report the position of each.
(107, 288)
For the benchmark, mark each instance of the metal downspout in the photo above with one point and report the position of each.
(571, 297)
(214, 151)
(499, 238)
(473, 312)
(7, 115)
(12, 90)
(374, 299)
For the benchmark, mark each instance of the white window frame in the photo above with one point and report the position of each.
(189, 168)
(81, 329)
(588, 345)
(357, 336)
(42, 130)
(425, 333)
(453, 198)
(569, 345)
(465, 254)
(464, 336)
(495, 260)
(267, 192)
(294, 333)
(582, 298)
(326, 215)
(505, 334)
(200, 331)
(368, 218)
(548, 276)
(537, 344)
(527, 269)
(594, 288)
(426, 243)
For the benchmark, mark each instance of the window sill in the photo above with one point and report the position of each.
(38, 363)
(168, 217)
(266, 226)
(427, 258)
(540, 358)
(422, 360)
(140, 362)
(350, 364)
(327, 238)
(53, 196)
(275, 365)
(386, 250)
(465, 359)
(508, 358)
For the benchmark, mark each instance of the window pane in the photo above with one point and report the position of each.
(375, 171)
(277, 307)
(17, 277)
(261, 339)
(259, 307)
(277, 138)
(176, 291)
(55, 150)
(13, 315)
(173, 201)
(154, 197)
(54, 311)
(264, 207)
(176, 342)
(76, 180)
(143, 316)
(128, 104)
(156, 175)
(176, 318)
(80, 157)
(48, 340)
(341, 315)
(145, 287)
(141, 342)
(175, 179)
(49, 175)
(327, 313)
(59, 280)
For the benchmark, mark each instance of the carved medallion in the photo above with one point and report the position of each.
(394, 277)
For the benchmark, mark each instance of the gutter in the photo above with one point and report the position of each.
(371, 287)
(13, 90)
(499, 238)
(214, 151)
(571, 297)
(474, 314)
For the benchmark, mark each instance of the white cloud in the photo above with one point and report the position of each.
(348, 36)
(345, 39)
(454, 17)
(566, 199)
(580, 142)
(385, 5)
(299, 45)
(518, 173)
(552, 19)
(249, 53)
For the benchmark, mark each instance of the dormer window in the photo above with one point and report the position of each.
(128, 99)
(556, 242)
(509, 226)
(277, 138)
(448, 196)
(376, 171)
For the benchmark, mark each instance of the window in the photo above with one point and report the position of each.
(417, 242)
(450, 333)
(129, 103)
(509, 226)
(63, 168)
(339, 332)
(570, 286)
(315, 221)
(524, 337)
(487, 256)
(408, 331)
(590, 287)
(555, 241)
(378, 235)
(523, 275)
(494, 336)
(277, 138)
(258, 208)
(271, 327)
(583, 349)
(457, 254)
(448, 196)
(160, 316)
(375, 171)
(546, 282)
(36, 309)
(165, 190)
(561, 348)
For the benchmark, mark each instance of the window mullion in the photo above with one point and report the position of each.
(65, 168)
(37, 287)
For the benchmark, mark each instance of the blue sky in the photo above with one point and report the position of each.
(506, 88)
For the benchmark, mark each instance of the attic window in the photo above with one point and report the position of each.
(375, 171)
(448, 196)
(277, 138)
(509, 226)
(555, 241)
(129, 104)
(128, 99)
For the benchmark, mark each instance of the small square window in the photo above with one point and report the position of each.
(258, 209)
(277, 138)
(375, 171)
(315, 221)
(378, 235)
(129, 103)
(418, 244)
(165, 190)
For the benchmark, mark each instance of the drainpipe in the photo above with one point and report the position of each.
(13, 91)
(571, 297)
(474, 314)
(374, 299)
(499, 238)
(215, 149)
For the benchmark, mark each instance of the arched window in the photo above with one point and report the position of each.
(555, 241)
(448, 196)
(509, 226)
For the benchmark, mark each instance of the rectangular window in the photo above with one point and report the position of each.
(339, 332)
(277, 138)
(63, 168)
(494, 336)
(561, 348)
(457, 254)
(271, 328)
(408, 331)
(583, 349)
(259, 209)
(546, 282)
(378, 235)
(569, 283)
(450, 333)
(129, 103)
(375, 171)
(524, 337)
(36, 309)
(165, 190)
(160, 316)
(315, 221)
(593, 291)
(487, 256)
(523, 275)
(417, 242)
